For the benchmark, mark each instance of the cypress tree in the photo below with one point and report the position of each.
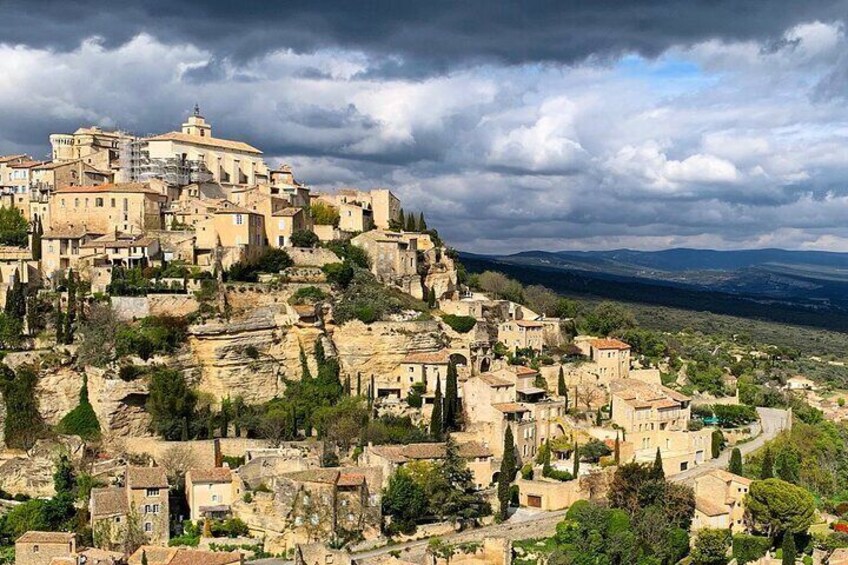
(410, 222)
(735, 462)
(304, 366)
(599, 418)
(422, 225)
(576, 468)
(16, 298)
(431, 298)
(507, 473)
(436, 417)
(789, 551)
(401, 220)
(37, 232)
(144, 557)
(451, 399)
(72, 295)
(320, 357)
(717, 439)
(657, 470)
(767, 466)
(347, 385)
(358, 383)
(562, 390)
(617, 450)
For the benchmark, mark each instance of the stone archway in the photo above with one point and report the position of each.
(485, 364)
(459, 359)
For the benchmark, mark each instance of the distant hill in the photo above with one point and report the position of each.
(802, 287)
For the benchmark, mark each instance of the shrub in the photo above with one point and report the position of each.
(229, 528)
(13, 227)
(131, 372)
(748, 548)
(154, 334)
(81, 421)
(307, 295)
(339, 274)
(304, 238)
(527, 472)
(248, 497)
(731, 416)
(459, 324)
(273, 260)
(367, 300)
(324, 214)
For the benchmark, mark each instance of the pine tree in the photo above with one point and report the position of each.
(401, 220)
(451, 408)
(320, 357)
(422, 225)
(410, 223)
(599, 418)
(507, 473)
(617, 450)
(562, 390)
(304, 366)
(657, 472)
(767, 466)
(436, 417)
(735, 462)
(789, 551)
(431, 298)
(576, 468)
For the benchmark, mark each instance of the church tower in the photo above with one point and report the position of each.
(196, 124)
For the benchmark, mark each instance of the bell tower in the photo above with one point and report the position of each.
(196, 124)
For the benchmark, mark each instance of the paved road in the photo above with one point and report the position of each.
(773, 421)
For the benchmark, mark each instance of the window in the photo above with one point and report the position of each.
(147, 508)
(214, 498)
(113, 202)
(239, 219)
(98, 202)
(152, 492)
(156, 509)
(148, 527)
(35, 549)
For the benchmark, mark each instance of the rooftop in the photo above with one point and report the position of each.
(510, 408)
(211, 475)
(609, 344)
(206, 141)
(493, 380)
(147, 477)
(128, 187)
(640, 394)
(108, 501)
(709, 507)
(45, 537)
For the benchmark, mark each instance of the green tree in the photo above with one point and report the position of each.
(16, 297)
(711, 547)
(562, 390)
(507, 473)
(431, 298)
(617, 449)
(170, 403)
(324, 214)
(657, 472)
(767, 465)
(716, 443)
(304, 238)
(410, 223)
(436, 417)
(454, 495)
(575, 470)
(451, 409)
(37, 234)
(422, 225)
(318, 352)
(401, 221)
(144, 558)
(405, 501)
(14, 228)
(608, 318)
(736, 462)
(787, 465)
(305, 374)
(23, 423)
(789, 551)
(64, 478)
(82, 420)
(777, 507)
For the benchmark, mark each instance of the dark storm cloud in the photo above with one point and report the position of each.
(442, 33)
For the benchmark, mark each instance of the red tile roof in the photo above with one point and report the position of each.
(608, 344)
(211, 475)
(130, 188)
(206, 141)
(45, 537)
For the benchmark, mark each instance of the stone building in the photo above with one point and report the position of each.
(720, 501)
(141, 501)
(394, 258)
(156, 555)
(390, 458)
(211, 492)
(424, 368)
(46, 548)
(130, 208)
(611, 356)
(522, 334)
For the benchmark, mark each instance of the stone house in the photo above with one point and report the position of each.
(280, 217)
(49, 176)
(120, 249)
(128, 207)
(15, 179)
(390, 458)
(393, 255)
(61, 247)
(522, 334)
(141, 501)
(211, 492)
(720, 501)
(611, 356)
(92, 145)
(157, 555)
(46, 548)
(423, 368)
(380, 204)
(654, 416)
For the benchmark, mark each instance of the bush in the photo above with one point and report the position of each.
(304, 238)
(13, 227)
(339, 274)
(731, 416)
(367, 300)
(307, 295)
(324, 214)
(229, 528)
(527, 472)
(459, 324)
(273, 260)
(748, 548)
(81, 421)
(152, 335)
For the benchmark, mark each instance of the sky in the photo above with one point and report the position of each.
(513, 125)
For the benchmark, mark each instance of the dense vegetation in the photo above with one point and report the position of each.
(13, 227)
(272, 261)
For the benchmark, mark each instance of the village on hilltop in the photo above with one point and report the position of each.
(224, 365)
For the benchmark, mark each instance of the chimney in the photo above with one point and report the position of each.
(219, 458)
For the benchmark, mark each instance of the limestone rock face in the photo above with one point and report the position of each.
(58, 392)
(119, 404)
(33, 474)
(441, 274)
(377, 349)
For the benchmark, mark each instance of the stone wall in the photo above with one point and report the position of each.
(312, 257)
(203, 450)
(128, 308)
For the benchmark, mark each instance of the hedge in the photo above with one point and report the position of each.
(747, 548)
(459, 324)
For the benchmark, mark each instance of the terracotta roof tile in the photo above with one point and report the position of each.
(211, 475)
(108, 501)
(709, 507)
(608, 344)
(205, 141)
(45, 537)
(510, 407)
(200, 557)
(146, 477)
(493, 381)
